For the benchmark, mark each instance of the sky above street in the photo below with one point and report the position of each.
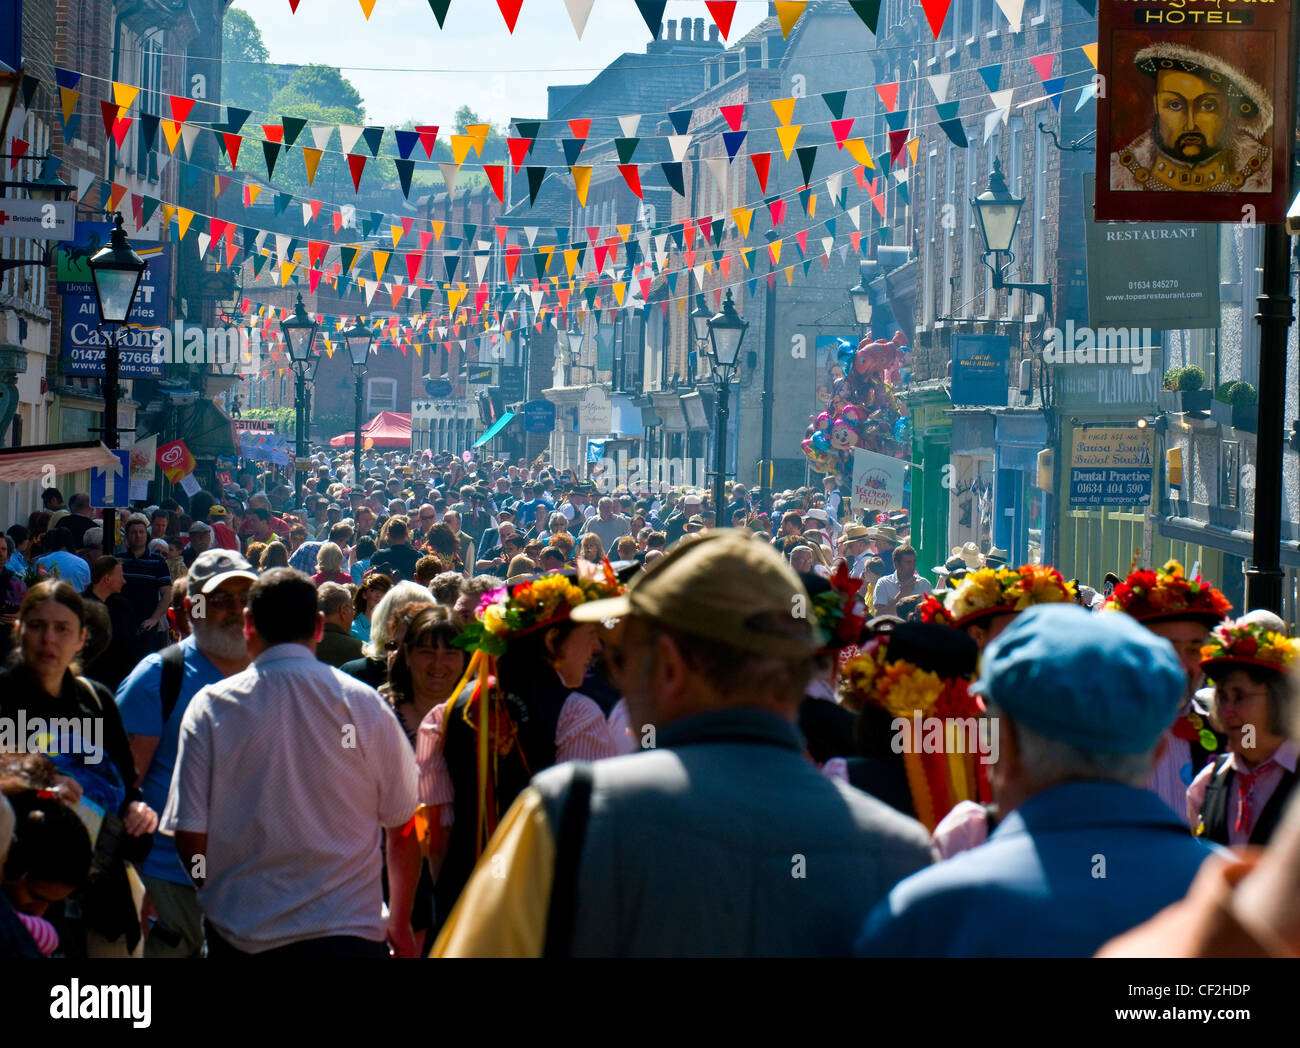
(406, 68)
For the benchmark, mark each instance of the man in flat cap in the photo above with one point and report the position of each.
(1083, 851)
(1208, 129)
(637, 856)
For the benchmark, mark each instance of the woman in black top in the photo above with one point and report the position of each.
(42, 682)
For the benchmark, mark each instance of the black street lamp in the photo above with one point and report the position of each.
(998, 213)
(116, 272)
(300, 335)
(726, 331)
(860, 296)
(359, 339)
(576, 337)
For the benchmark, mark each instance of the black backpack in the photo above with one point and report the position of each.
(173, 672)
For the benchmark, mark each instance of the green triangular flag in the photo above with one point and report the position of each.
(440, 10)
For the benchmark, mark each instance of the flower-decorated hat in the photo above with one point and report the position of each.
(532, 605)
(997, 591)
(917, 672)
(1168, 594)
(1248, 644)
(837, 607)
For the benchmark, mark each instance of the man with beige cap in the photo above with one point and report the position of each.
(625, 857)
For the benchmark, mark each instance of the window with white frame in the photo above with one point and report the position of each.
(381, 395)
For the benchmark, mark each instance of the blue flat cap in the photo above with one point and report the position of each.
(1102, 683)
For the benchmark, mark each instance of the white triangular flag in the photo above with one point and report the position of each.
(348, 216)
(834, 184)
(679, 144)
(991, 120)
(84, 180)
(939, 82)
(844, 253)
(260, 239)
(321, 134)
(371, 288)
(189, 132)
(306, 214)
(349, 135)
(1014, 10)
(579, 10)
(537, 297)
(827, 244)
(481, 263)
(1002, 101)
(855, 215)
(629, 124)
(718, 168)
(164, 158)
(530, 234)
(449, 172)
(282, 246)
(204, 241)
(1089, 91)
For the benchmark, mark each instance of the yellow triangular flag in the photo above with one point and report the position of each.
(479, 133)
(437, 228)
(168, 213)
(774, 251)
(788, 11)
(366, 7)
(254, 191)
(380, 259)
(857, 149)
(286, 271)
(311, 157)
(68, 99)
(570, 260)
(1090, 50)
(460, 147)
(397, 234)
(454, 298)
(624, 232)
(581, 182)
(742, 216)
(812, 205)
(171, 132)
(789, 275)
(788, 137)
(184, 216)
(681, 307)
(619, 291)
(549, 253)
(124, 95)
(784, 109)
(912, 145)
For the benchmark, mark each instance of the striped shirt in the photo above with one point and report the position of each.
(292, 769)
(581, 734)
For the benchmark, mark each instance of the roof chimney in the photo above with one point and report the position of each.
(686, 30)
(713, 34)
(671, 32)
(699, 30)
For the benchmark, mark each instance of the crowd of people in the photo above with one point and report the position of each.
(460, 707)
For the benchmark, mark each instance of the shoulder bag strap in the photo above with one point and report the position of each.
(568, 857)
(173, 672)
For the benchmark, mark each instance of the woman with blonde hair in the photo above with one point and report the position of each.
(329, 566)
(386, 629)
(592, 549)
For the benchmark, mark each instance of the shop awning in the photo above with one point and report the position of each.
(389, 429)
(207, 430)
(33, 462)
(496, 428)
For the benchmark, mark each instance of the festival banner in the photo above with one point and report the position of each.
(1195, 122)
(878, 482)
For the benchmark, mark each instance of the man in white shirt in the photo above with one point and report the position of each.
(286, 775)
(904, 582)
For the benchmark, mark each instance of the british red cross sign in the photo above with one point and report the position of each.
(38, 219)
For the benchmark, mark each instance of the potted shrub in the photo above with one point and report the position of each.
(1168, 397)
(1193, 397)
(1245, 407)
(1221, 407)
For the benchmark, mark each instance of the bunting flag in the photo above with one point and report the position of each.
(787, 13)
(1053, 86)
(625, 147)
(992, 77)
(460, 147)
(733, 140)
(535, 177)
(366, 7)
(124, 95)
(888, 96)
(835, 103)
(653, 13)
(935, 12)
(510, 12)
(1014, 11)
(449, 173)
(857, 149)
(841, 129)
(572, 150)
(950, 125)
(496, 176)
(762, 165)
(676, 179)
(356, 164)
(1090, 52)
(293, 126)
(311, 158)
(784, 110)
(232, 143)
(632, 176)
(519, 148)
(788, 136)
(428, 138)
(405, 143)
(440, 11)
(1088, 92)
(1042, 66)
(579, 11)
(868, 11)
(581, 182)
(722, 12)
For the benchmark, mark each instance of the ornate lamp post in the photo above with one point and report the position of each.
(300, 335)
(359, 339)
(726, 331)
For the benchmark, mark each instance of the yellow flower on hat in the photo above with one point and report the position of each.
(494, 619)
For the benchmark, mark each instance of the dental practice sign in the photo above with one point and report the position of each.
(82, 345)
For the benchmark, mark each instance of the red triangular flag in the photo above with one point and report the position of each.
(722, 11)
(314, 206)
(233, 143)
(313, 280)
(888, 95)
(777, 210)
(108, 113)
(356, 164)
(428, 136)
(706, 226)
(273, 132)
(18, 148)
(1043, 65)
(181, 107)
(580, 128)
(841, 129)
(935, 12)
(519, 150)
(496, 176)
(120, 128)
(293, 6)
(802, 238)
(510, 12)
(414, 262)
(632, 176)
(762, 163)
(733, 115)
(316, 251)
(513, 254)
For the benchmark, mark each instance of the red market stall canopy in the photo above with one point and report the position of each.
(388, 430)
(33, 463)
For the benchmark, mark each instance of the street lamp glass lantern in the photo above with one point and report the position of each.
(116, 272)
(700, 320)
(576, 337)
(998, 212)
(316, 358)
(726, 333)
(359, 337)
(861, 303)
(49, 187)
(299, 333)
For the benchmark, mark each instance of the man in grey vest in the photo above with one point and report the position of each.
(720, 838)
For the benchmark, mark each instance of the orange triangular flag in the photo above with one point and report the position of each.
(366, 7)
(311, 157)
(581, 182)
(788, 137)
(742, 216)
(788, 12)
(784, 110)
(123, 96)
